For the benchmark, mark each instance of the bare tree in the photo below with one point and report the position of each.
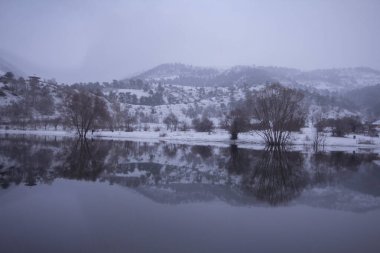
(85, 111)
(280, 111)
(319, 140)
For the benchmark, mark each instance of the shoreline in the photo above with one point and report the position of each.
(300, 141)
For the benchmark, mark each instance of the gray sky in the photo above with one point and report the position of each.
(104, 40)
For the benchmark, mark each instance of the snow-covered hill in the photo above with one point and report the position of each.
(193, 92)
(325, 79)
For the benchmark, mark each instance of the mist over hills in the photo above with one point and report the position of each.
(336, 79)
(329, 79)
(6, 66)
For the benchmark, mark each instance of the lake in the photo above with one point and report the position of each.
(65, 195)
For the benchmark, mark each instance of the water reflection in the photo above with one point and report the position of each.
(84, 160)
(173, 173)
(277, 177)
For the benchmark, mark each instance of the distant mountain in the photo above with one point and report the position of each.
(180, 73)
(327, 79)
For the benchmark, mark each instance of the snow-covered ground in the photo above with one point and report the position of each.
(299, 141)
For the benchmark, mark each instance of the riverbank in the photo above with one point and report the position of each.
(299, 140)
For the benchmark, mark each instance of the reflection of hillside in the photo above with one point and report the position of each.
(22, 162)
(188, 193)
(181, 173)
(354, 171)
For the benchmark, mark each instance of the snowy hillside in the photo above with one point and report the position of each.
(189, 102)
(328, 79)
(147, 107)
(180, 91)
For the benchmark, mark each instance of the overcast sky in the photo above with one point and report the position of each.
(104, 40)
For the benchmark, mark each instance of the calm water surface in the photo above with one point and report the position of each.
(63, 195)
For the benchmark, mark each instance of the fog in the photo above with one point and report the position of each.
(105, 40)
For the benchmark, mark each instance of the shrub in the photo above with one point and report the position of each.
(203, 125)
(341, 127)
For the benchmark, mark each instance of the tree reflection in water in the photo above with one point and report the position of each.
(274, 175)
(84, 159)
(277, 177)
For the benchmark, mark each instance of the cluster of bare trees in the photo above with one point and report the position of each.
(342, 126)
(171, 122)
